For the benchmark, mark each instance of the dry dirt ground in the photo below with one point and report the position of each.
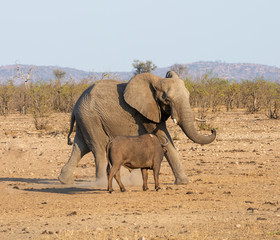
(234, 191)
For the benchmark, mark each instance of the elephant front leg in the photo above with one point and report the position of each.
(172, 157)
(78, 151)
(171, 154)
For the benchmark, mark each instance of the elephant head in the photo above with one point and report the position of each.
(158, 98)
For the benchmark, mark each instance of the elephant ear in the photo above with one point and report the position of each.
(171, 74)
(139, 94)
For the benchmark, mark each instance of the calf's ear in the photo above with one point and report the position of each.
(139, 94)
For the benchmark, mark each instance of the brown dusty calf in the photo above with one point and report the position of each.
(145, 152)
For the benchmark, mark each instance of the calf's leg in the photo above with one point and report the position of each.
(118, 178)
(113, 171)
(156, 177)
(145, 178)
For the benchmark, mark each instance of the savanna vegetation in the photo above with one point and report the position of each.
(208, 92)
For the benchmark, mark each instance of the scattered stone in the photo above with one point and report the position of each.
(25, 230)
(85, 166)
(238, 225)
(251, 209)
(261, 219)
(189, 192)
(142, 238)
(270, 203)
(229, 193)
(72, 214)
(47, 232)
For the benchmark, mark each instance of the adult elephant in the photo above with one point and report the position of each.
(110, 108)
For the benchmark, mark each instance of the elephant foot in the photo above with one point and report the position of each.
(65, 180)
(182, 181)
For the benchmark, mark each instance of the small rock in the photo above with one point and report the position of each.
(238, 225)
(189, 192)
(25, 230)
(142, 238)
(251, 209)
(72, 214)
(227, 192)
(47, 232)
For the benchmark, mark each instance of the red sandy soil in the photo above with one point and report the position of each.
(234, 191)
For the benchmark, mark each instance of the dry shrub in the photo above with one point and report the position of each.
(40, 104)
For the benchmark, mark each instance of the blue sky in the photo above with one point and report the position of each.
(107, 35)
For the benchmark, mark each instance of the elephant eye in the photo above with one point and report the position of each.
(167, 100)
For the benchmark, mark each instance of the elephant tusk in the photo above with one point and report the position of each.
(175, 121)
(200, 120)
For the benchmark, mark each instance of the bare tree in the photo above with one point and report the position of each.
(181, 70)
(26, 80)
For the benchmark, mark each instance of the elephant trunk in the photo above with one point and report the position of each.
(186, 123)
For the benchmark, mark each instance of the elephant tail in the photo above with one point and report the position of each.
(108, 152)
(69, 142)
(108, 158)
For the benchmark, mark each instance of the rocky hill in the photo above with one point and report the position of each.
(237, 71)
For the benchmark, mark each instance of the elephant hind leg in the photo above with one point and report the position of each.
(78, 151)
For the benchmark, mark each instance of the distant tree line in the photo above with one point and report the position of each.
(210, 92)
(207, 93)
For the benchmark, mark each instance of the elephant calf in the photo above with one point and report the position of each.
(145, 152)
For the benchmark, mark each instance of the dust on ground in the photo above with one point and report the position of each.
(234, 191)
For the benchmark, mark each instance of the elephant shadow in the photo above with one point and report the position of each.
(51, 186)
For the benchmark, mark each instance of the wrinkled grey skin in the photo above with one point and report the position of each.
(144, 151)
(112, 108)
